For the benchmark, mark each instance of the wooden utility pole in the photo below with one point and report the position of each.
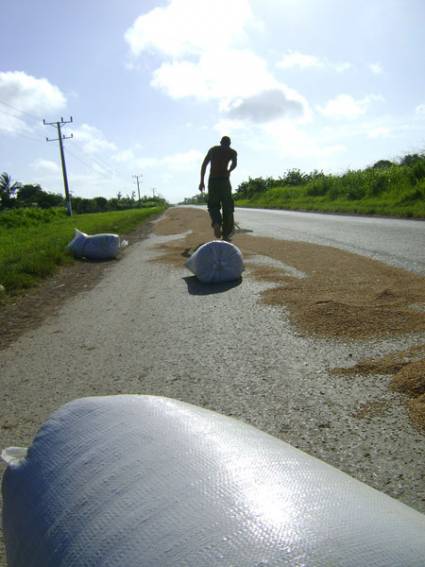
(60, 139)
(138, 187)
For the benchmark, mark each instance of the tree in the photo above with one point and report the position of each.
(8, 188)
(31, 195)
(382, 164)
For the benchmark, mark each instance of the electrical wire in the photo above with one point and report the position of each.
(21, 134)
(89, 165)
(102, 164)
(32, 116)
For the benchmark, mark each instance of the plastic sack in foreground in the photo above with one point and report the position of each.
(216, 261)
(130, 481)
(97, 246)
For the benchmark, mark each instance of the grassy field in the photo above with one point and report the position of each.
(33, 241)
(387, 189)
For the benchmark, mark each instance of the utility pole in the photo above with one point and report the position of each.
(138, 186)
(153, 192)
(59, 139)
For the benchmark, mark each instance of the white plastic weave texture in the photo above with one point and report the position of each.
(216, 261)
(130, 481)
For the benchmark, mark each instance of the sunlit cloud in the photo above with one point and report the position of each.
(345, 106)
(190, 27)
(179, 161)
(217, 74)
(420, 109)
(124, 156)
(24, 99)
(207, 59)
(92, 140)
(379, 132)
(303, 61)
(376, 68)
(44, 165)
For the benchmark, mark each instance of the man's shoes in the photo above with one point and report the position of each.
(228, 237)
(217, 230)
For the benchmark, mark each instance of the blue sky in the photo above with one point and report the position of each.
(151, 85)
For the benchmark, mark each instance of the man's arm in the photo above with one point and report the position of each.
(206, 161)
(233, 162)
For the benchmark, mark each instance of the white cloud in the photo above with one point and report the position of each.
(45, 165)
(23, 93)
(379, 132)
(302, 61)
(180, 161)
(345, 106)
(238, 79)
(420, 109)
(294, 59)
(265, 106)
(376, 68)
(190, 27)
(341, 67)
(93, 140)
(294, 141)
(11, 123)
(206, 59)
(124, 156)
(217, 74)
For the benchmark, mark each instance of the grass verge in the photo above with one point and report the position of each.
(386, 188)
(33, 242)
(324, 205)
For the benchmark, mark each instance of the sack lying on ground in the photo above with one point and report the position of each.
(125, 481)
(96, 246)
(216, 261)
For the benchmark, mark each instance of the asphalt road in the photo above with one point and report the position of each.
(397, 242)
(148, 328)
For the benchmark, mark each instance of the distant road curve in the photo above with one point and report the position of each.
(397, 242)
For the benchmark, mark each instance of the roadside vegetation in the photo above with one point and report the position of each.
(386, 188)
(15, 195)
(33, 241)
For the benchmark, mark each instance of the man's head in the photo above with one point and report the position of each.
(225, 141)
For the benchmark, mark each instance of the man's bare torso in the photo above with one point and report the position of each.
(219, 158)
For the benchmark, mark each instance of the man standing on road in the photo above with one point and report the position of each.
(219, 188)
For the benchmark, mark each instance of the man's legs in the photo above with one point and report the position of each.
(214, 206)
(228, 209)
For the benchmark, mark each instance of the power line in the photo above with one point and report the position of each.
(103, 165)
(90, 165)
(33, 116)
(97, 159)
(22, 135)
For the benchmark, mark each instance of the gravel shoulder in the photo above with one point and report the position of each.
(145, 328)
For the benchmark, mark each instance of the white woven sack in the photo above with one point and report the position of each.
(131, 481)
(216, 261)
(94, 247)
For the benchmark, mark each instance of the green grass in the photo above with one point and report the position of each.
(396, 190)
(33, 242)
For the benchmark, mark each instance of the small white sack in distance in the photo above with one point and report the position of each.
(96, 246)
(216, 262)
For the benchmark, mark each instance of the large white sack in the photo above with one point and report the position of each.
(130, 481)
(95, 247)
(216, 261)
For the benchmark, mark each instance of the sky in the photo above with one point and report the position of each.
(151, 85)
